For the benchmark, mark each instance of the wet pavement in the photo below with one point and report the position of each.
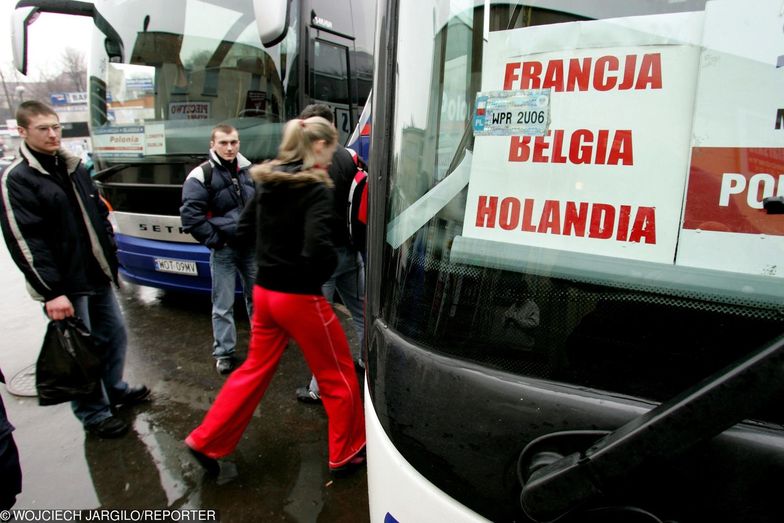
(278, 472)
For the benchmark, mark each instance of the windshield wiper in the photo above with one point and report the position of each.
(554, 485)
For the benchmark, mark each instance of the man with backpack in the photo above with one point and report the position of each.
(348, 279)
(213, 196)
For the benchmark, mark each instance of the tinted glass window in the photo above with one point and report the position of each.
(540, 310)
(330, 73)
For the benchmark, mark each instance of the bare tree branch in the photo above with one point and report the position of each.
(75, 69)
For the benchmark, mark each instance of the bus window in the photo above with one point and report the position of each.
(163, 74)
(330, 72)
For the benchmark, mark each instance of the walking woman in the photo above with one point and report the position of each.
(291, 221)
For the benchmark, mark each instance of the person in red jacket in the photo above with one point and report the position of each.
(291, 222)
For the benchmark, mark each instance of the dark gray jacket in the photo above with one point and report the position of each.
(211, 214)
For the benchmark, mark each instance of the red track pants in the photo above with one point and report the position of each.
(310, 320)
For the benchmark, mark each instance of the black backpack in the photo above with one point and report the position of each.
(206, 169)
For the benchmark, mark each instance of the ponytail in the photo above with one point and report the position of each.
(299, 137)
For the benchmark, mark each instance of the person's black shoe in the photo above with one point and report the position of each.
(132, 396)
(305, 395)
(111, 427)
(224, 366)
(210, 465)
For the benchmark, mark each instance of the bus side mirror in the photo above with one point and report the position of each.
(272, 20)
(28, 10)
(22, 17)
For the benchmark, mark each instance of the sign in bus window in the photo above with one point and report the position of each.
(656, 162)
(737, 154)
(597, 180)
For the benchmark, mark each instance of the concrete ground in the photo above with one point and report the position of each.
(279, 470)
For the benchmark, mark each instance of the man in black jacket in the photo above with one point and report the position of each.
(349, 276)
(57, 230)
(10, 471)
(213, 196)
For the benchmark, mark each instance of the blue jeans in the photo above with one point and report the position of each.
(349, 281)
(100, 313)
(225, 263)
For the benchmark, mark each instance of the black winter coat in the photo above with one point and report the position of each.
(342, 171)
(46, 235)
(5, 426)
(291, 222)
(211, 215)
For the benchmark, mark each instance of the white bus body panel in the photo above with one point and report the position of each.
(151, 226)
(396, 489)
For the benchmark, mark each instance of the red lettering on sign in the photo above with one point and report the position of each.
(528, 212)
(510, 213)
(602, 221)
(579, 75)
(574, 220)
(584, 147)
(605, 73)
(551, 218)
(625, 223)
(485, 214)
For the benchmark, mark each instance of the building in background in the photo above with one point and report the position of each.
(72, 110)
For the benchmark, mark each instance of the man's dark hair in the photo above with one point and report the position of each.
(223, 128)
(32, 108)
(321, 110)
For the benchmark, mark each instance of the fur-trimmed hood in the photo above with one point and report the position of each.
(272, 173)
(291, 224)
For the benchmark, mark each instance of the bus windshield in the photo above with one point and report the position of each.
(603, 197)
(185, 74)
(580, 219)
(162, 75)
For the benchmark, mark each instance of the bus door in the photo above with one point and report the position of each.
(330, 82)
(331, 42)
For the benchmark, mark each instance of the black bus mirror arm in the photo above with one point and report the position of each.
(113, 42)
(694, 416)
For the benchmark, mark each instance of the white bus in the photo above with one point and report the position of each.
(576, 261)
(162, 74)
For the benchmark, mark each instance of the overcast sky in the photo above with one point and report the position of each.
(47, 38)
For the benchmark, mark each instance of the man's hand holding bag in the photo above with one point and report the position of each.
(69, 367)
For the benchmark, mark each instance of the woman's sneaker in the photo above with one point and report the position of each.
(354, 464)
(210, 465)
(305, 395)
